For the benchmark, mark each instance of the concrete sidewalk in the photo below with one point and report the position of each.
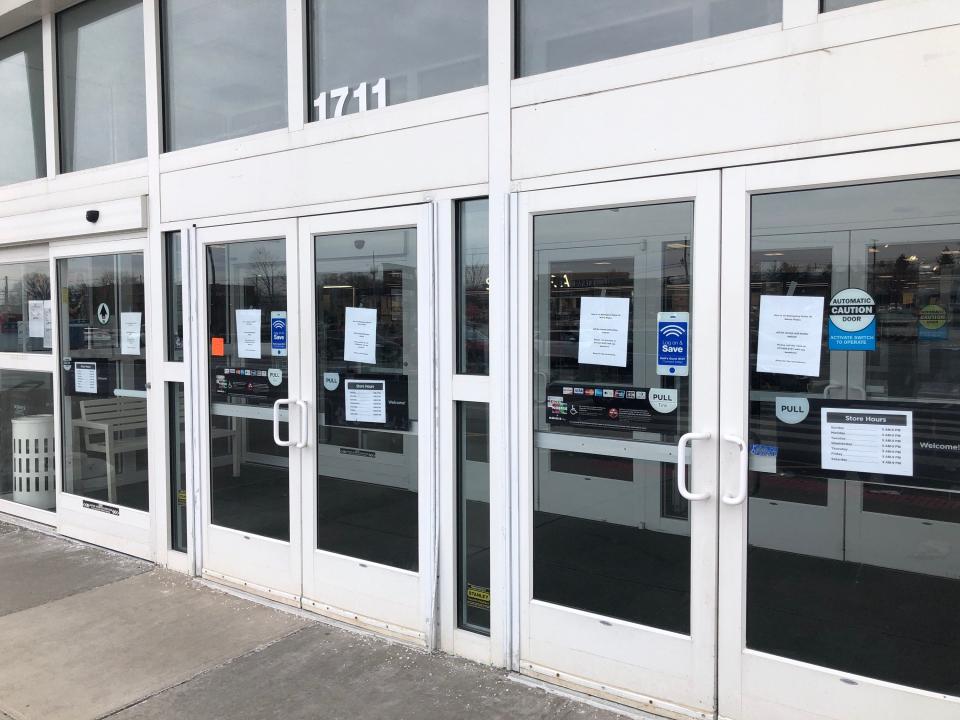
(86, 633)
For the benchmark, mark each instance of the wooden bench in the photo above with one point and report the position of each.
(114, 427)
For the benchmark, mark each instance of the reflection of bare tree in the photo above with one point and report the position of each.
(77, 294)
(270, 279)
(476, 276)
(36, 286)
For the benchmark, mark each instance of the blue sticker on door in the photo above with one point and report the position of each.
(852, 323)
(673, 343)
(278, 333)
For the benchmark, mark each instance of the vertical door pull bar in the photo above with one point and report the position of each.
(304, 427)
(742, 472)
(276, 423)
(682, 465)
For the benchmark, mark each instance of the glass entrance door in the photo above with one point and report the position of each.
(256, 421)
(368, 497)
(100, 339)
(618, 463)
(838, 577)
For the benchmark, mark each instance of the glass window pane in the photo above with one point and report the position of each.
(828, 5)
(610, 533)
(102, 91)
(473, 287)
(25, 311)
(23, 154)
(28, 472)
(224, 69)
(386, 52)
(473, 516)
(103, 381)
(366, 302)
(556, 34)
(249, 472)
(174, 295)
(854, 529)
(178, 467)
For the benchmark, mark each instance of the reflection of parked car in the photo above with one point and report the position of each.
(895, 321)
(475, 341)
(564, 344)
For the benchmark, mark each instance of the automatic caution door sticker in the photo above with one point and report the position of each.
(853, 323)
(933, 323)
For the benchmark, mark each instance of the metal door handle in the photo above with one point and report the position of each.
(682, 465)
(304, 428)
(742, 476)
(828, 388)
(276, 423)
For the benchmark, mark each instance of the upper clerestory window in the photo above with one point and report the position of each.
(556, 34)
(224, 69)
(828, 5)
(23, 154)
(102, 90)
(368, 54)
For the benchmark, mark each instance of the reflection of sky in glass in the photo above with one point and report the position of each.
(22, 154)
(225, 69)
(421, 48)
(102, 88)
(558, 34)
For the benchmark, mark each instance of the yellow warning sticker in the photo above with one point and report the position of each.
(478, 597)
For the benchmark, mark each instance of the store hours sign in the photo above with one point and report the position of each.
(334, 103)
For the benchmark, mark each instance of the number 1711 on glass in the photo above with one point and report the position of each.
(341, 95)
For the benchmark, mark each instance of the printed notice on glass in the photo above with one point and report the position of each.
(248, 334)
(365, 400)
(47, 324)
(35, 324)
(789, 335)
(85, 377)
(868, 441)
(130, 333)
(604, 323)
(360, 337)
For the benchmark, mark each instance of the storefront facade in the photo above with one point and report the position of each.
(610, 345)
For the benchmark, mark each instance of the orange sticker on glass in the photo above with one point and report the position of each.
(216, 347)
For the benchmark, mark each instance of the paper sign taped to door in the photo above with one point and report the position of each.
(248, 334)
(47, 324)
(360, 335)
(790, 335)
(604, 326)
(130, 333)
(35, 324)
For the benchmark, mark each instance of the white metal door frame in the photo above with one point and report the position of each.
(391, 600)
(32, 362)
(637, 665)
(260, 565)
(130, 530)
(755, 685)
